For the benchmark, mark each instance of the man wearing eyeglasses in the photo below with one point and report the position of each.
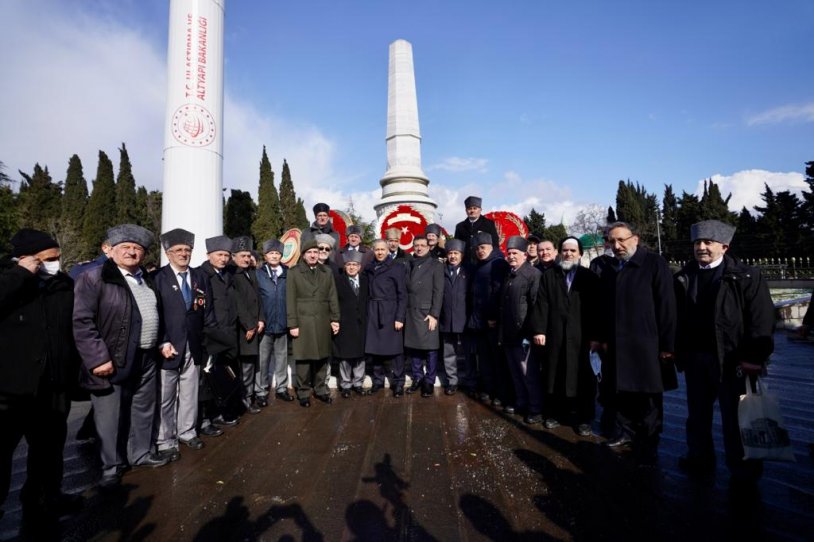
(185, 307)
(117, 326)
(637, 340)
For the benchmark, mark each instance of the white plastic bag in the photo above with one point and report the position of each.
(763, 432)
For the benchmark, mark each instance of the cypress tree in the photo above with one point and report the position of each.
(288, 201)
(74, 203)
(240, 210)
(267, 222)
(301, 219)
(126, 212)
(611, 215)
(39, 201)
(101, 209)
(714, 206)
(8, 210)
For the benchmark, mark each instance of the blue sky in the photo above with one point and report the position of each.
(529, 103)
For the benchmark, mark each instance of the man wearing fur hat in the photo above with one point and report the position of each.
(349, 343)
(433, 234)
(354, 233)
(250, 322)
(271, 279)
(186, 308)
(517, 298)
(395, 252)
(726, 320)
(468, 229)
(38, 369)
(564, 323)
(326, 246)
(322, 224)
(117, 327)
(312, 310)
(452, 322)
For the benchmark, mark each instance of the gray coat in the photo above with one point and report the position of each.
(425, 295)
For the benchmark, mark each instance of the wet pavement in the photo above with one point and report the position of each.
(442, 468)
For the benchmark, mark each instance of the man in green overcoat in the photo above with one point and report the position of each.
(312, 309)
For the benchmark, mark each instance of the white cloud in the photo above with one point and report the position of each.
(746, 186)
(785, 113)
(457, 164)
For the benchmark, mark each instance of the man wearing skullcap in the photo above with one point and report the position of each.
(468, 229)
(117, 327)
(725, 326)
(271, 279)
(564, 325)
(186, 308)
(517, 298)
(250, 324)
(354, 233)
(637, 333)
(433, 234)
(39, 367)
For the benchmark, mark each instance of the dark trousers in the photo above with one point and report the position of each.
(248, 370)
(312, 375)
(704, 386)
(558, 405)
(41, 419)
(640, 416)
(391, 367)
(417, 360)
(524, 366)
(488, 362)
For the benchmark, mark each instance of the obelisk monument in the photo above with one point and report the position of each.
(193, 131)
(404, 182)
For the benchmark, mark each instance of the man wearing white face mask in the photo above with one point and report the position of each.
(38, 368)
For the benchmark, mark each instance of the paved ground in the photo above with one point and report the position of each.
(445, 468)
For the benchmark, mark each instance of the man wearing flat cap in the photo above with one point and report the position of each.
(354, 233)
(271, 279)
(517, 299)
(186, 308)
(726, 320)
(117, 327)
(250, 324)
(433, 234)
(322, 224)
(39, 366)
(468, 229)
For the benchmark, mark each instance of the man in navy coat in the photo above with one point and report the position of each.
(452, 322)
(185, 307)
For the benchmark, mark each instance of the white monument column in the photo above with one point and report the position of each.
(193, 131)
(404, 182)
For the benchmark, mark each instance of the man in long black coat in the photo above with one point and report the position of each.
(386, 313)
(468, 229)
(452, 323)
(637, 331)
(564, 323)
(39, 367)
(250, 324)
(349, 343)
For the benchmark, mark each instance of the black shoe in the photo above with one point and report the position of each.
(195, 443)
(551, 423)
(398, 392)
(484, 397)
(497, 402)
(211, 430)
(509, 409)
(305, 403)
(346, 394)
(696, 466)
(261, 402)
(533, 419)
(228, 422)
(427, 390)
(110, 480)
(171, 454)
(450, 390)
(152, 461)
(361, 391)
(413, 387)
(584, 430)
(619, 443)
(374, 390)
(326, 398)
(250, 407)
(284, 396)
(64, 504)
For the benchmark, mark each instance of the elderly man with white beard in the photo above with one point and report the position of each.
(564, 322)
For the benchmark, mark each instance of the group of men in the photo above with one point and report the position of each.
(178, 354)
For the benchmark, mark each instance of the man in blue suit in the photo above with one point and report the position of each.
(185, 308)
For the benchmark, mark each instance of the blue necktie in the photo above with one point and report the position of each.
(185, 290)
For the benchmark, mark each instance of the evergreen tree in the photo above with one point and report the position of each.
(368, 233)
(74, 202)
(669, 224)
(689, 212)
(267, 222)
(149, 217)
(126, 212)
(611, 215)
(714, 206)
(770, 241)
(746, 238)
(638, 208)
(301, 218)
(8, 211)
(288, 202)
(555, 233)
(101, 210)
(535, 221)
(807, 211)
(240, 211)
(40, 201)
